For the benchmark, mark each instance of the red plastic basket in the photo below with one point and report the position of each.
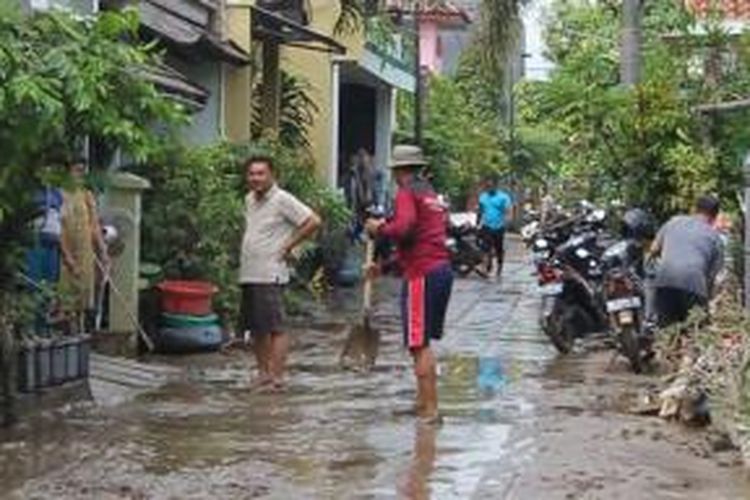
(187, 297)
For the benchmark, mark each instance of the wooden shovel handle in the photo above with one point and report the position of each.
(369, 260)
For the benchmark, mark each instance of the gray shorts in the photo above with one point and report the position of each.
(262, 309)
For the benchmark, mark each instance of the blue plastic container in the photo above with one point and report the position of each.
(72, 358)
(84, 356)
(190, 339)
(43, 354)
(27, 367)
(58, 362)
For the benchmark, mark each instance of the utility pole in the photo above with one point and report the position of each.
(746, 243)
(419, 84)
(630, 50)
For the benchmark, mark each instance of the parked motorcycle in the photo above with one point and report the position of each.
(624, 290)
(566, 256)
(571, 302)
(465, 245)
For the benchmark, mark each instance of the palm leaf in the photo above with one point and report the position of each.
(351, 17)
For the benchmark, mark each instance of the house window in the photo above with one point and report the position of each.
(77, 6)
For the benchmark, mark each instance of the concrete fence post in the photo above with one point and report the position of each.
(746, 239)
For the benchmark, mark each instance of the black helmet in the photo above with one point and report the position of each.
(638, 224)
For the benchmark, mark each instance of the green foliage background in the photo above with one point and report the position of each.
(463, 138)
(63, 78)
(647, 146)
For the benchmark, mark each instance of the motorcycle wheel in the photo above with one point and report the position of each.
(559, 327)
(631, 347)
(463, 268)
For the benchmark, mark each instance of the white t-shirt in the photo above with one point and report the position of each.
(269, 223)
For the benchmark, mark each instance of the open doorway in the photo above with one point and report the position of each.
(357, 125)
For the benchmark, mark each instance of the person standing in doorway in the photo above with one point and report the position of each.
(494, 207)
(275, 224)
(418, 228)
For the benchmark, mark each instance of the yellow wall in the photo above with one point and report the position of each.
(315, 67)
(238, 80)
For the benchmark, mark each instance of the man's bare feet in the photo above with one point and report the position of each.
(434, 419)
(272, 386)
(236, 344)
(278, 386)
(261, 382)
(411, 411)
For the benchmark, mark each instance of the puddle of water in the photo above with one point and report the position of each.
(334, 434)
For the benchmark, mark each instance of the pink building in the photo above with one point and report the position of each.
(435, 21)
(731, 9)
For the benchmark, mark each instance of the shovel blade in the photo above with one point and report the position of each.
(361, 348)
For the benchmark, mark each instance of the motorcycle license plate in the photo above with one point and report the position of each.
(626, 317)
(552, 289)
(618, 305)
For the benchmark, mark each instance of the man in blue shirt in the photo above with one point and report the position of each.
(494, 205)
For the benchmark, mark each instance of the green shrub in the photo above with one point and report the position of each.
(461, 142)
(62, 79)
(193, 217)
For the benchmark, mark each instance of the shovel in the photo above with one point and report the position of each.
(363, 340)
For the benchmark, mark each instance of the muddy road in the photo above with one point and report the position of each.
(519, 423)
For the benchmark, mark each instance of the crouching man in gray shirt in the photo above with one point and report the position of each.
(691, 256)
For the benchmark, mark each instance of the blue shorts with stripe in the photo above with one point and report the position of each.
(424, 303)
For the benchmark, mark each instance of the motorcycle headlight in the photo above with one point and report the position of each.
(599, 215)
(541, 244)
(582, 253)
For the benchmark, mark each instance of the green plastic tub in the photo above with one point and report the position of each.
(186, 321)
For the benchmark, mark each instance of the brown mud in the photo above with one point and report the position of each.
(519, 422)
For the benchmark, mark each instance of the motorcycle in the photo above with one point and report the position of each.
(465, 246)
(569, 276)
(572, 309)
(625, 292)
(550, 280)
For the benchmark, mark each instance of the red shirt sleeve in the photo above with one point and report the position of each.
(404, 219)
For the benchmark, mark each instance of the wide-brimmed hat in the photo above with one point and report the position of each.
(406, 155)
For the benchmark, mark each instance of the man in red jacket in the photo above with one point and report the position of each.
(418, 228)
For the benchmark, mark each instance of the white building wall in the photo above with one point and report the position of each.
(205, 126)
(332, 175)
(534, 16)
(383, 130)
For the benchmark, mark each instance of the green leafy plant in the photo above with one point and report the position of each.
(462, 145)
(193, 217)
(647, 145)
(297, 112)
(62, 79)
